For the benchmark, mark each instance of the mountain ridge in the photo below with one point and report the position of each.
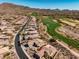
(10, 8)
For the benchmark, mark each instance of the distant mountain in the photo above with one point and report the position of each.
(9, 8)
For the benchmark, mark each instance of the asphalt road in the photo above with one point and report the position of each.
(19, 50)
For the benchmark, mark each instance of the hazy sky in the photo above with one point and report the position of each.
(52, 4)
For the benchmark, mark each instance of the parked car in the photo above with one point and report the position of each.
(18, 43)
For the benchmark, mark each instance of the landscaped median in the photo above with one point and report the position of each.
(51, 26)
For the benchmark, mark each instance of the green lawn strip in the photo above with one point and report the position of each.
(51, 26)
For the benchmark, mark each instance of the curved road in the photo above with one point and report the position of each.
(19, 50)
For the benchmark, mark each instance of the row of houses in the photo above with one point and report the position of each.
(34, 46)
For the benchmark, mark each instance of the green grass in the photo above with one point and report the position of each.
(51, 26)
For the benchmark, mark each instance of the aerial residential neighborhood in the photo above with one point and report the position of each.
(32, 29)
(8, 29)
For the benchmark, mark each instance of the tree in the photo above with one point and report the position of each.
(34, 14)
